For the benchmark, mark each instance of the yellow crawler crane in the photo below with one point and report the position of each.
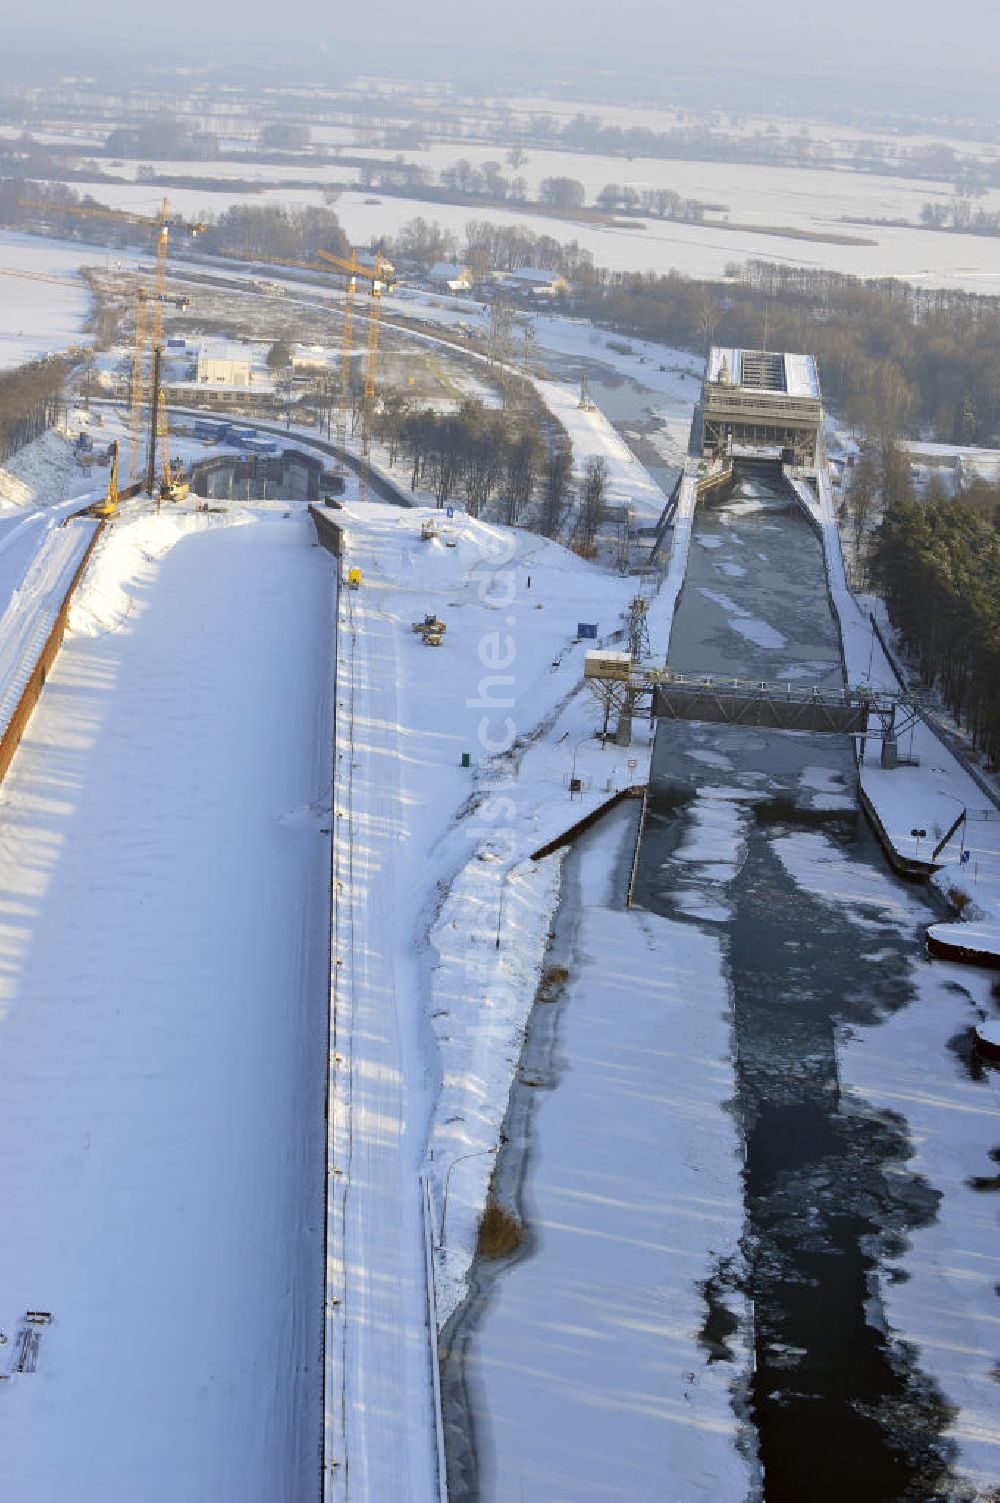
(379, 277)
(109, 505)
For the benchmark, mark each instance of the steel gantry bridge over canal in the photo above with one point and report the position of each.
(629, 689)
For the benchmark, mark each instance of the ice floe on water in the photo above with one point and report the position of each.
(742, 622)
(820, 866)
(828, 788)
(709, 758)
(725, 601)
(758, 632)
(941, 1294)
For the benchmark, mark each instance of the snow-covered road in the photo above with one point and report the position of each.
(379, 1405)
(163, 925)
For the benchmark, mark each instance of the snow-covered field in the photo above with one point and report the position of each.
(816, 201)
(970, 263)
(41, 317)
(163, 1023)
(194, 203)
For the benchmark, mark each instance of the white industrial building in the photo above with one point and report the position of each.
(224, 363)
(450, 274)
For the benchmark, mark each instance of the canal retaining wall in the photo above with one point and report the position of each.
(48, 651)
(634, 791)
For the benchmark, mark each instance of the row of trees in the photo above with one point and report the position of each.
(489, 455)
(892, 357)
(958, 214)
(163, 139)
(486, 247)
(29, 397)
(479, 451)
(275, 232)
(659, 203)
(563, 194)
(937, 564)
(268, 231)
(698, 139)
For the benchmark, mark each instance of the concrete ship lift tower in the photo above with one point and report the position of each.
(759, 405)
(764, 411)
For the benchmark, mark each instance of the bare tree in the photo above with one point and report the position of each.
(562, 192)
(523, 458)
(593, 493)
(556, 497)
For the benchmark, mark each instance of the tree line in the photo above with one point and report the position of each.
(485, 247)
(708, 141)
(497, 460)
(29, 399)
(937, 564)
(478, 451)
(251, 231)
(891, 357)
(959, 216)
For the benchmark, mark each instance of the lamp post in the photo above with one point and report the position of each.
(475, 1154)
(572, 775)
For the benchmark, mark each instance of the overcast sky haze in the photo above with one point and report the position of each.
(870, 40)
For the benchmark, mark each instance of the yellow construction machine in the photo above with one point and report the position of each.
(109, 505)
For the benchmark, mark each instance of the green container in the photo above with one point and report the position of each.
(466, 759)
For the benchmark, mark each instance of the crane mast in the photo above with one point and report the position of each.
(137, 386)
(378, 277)
(148, 344)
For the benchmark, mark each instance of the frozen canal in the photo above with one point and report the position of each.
(771, 918)
(164, 866)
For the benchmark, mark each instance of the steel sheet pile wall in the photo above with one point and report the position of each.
(21, 714)
(329, 533)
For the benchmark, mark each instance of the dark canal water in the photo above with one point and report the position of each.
(754, 842)
(841, 1412)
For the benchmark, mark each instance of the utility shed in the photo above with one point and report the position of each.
(600, 664)
(760, 402)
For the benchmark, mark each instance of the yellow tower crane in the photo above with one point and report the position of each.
(379, 277)
(148, 334)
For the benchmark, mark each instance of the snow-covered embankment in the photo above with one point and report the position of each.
(162, 1021)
